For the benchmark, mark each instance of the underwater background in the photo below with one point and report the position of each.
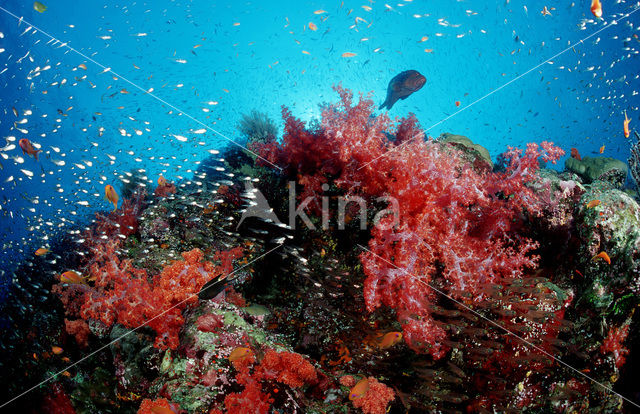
(120, 92)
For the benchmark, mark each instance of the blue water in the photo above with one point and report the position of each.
(487, 55)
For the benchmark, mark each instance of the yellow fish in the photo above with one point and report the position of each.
(625, 125)
(390, 339)
(239, 353)
(111, 196)
(39, 7)
(41, 251)
(602, 255)
(593, 203)
(359, 389)
(71, 278)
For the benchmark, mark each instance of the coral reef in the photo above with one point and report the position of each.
(483, 277)
(452, 226)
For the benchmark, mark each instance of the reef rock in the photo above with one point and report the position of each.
(612, 226)
(599, 168)
(476, 154)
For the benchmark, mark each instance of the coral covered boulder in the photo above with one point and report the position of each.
(475, 154)
(599, 168)
(610, 223)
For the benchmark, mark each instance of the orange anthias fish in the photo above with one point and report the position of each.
(56, 350)
(625, 125)
(602, 255)
(593, 203)
(111, 195)
(27, 148)
(41, 251)
(359, 389)
(596, 8)
(390, 339)
(601, 149)
(239, 353)
(162, 181)
(161, 410)
(72, 277)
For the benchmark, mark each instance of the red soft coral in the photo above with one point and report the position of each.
(250, 401)
(614, 344)
(124, 294)
(80, 331)
(289, 368)
(163, 190)
(57, 401)
(455, 223)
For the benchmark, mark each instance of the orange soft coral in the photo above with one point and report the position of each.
(288, 368)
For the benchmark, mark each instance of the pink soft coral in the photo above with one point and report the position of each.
(456, 224)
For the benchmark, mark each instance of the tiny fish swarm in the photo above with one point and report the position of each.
(457, 226)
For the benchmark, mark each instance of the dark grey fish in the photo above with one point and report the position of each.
(403, 85)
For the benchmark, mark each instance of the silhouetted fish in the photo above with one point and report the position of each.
(403, 85)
